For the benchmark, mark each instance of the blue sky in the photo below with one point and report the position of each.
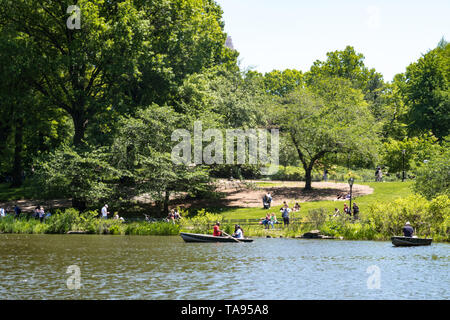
(281, 34)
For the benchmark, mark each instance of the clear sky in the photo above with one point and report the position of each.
(281, 34)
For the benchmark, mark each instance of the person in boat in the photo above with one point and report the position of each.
(217, 232)
(408, 231)
(238, 232)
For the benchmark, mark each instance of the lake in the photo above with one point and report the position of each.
(157, 267)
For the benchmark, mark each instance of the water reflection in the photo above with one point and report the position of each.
(138, 267)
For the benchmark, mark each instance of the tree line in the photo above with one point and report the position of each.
(88, 113)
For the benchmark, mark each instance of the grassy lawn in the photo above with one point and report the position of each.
(384, 192)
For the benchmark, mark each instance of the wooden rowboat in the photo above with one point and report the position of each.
(409, 242)
(195, 237)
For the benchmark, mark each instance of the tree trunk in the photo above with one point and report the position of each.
(18, 147)
(166, 203)
(308, 178)
(79, 123)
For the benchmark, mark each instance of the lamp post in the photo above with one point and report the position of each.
(350, 183)
(403, 164)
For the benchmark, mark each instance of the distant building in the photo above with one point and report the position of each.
(229, 43)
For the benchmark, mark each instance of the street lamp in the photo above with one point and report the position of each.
(350, 183)
(403, 164)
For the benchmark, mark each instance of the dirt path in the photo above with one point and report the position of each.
(236, 194)
(248, 194)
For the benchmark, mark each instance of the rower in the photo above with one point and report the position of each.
(408, 230)
(217, 232)
(238, 233)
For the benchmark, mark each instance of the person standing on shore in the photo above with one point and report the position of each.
(105, 212)
(41, 213)
(17, 211)
(285, 214)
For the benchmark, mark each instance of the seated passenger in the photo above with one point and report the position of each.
(217, 232)
(408, 231)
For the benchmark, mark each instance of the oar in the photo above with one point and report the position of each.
(230, 236)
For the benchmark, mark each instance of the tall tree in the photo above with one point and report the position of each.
(329, 117)
(78, 69)
(427, 92)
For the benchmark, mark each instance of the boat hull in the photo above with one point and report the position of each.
(410, 242)
(195, 237)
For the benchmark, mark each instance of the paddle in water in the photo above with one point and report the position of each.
(230, 236)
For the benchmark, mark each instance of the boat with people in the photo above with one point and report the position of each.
(410, 241)
(196, 237)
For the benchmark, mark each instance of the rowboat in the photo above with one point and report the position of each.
(409, 242)
(195, 237)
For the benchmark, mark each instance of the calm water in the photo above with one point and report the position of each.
(141, 267)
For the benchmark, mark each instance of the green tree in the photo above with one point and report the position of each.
(327, 118)
(427, 92)
(433, 179)
(83, 175)
(142, 153)
(417, 150)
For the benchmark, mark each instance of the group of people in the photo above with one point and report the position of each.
(271, 218)
(238, 232)
(353, 213)
(39, 213)
(4, 212)
(173, 216)
(104, 214)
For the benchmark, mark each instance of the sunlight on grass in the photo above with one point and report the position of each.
(384, 192)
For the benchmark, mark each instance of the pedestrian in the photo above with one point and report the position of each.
(355, 210)
(41, 214)
(325, 175)
(17, 211)
(285, 214)
(105, 212)
(2, 212)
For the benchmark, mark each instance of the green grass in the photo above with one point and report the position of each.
(384, 192)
